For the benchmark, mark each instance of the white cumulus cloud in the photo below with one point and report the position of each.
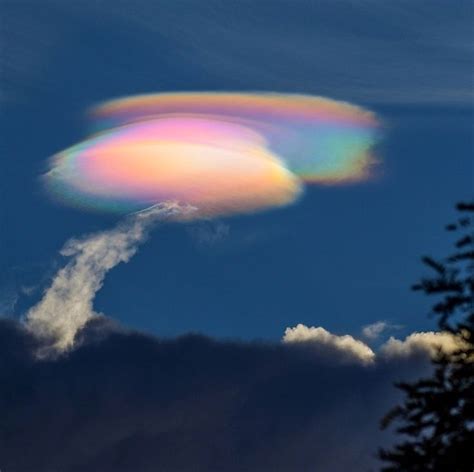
(424, 342)
(351, 348)
(348, 348)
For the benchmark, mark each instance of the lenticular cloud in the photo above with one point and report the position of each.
(221, 153)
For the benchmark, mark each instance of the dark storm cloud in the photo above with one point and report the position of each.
(124, 401)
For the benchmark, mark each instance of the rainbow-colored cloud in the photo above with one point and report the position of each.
(222, 153)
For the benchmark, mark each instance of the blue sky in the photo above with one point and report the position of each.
(342, 257)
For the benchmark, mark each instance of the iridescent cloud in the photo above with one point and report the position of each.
(222, 153)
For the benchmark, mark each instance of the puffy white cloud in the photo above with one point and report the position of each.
(424, 342)
(66, 305)
(347, 348)
(351, 348)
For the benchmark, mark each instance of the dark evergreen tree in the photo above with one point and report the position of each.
(436, 420)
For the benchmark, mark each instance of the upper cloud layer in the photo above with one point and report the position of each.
(222, 153)
(369, 51)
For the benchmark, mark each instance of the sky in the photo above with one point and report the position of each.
(342, 257)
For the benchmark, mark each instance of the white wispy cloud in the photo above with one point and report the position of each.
(8, 300)
(209, 233)
(329, 58)
(374, 330)
(418, 53)
(67, 304)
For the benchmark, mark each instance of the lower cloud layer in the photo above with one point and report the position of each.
(125, 401)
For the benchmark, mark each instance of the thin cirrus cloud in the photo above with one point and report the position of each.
(367, 51)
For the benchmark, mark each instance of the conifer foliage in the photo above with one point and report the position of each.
(436, 420)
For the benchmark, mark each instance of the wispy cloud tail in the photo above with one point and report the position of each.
(67, 305)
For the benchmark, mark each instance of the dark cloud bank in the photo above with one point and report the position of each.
(125, 401)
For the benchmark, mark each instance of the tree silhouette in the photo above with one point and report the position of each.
(437, 417)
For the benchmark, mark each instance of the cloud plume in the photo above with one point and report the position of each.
(67, 304)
